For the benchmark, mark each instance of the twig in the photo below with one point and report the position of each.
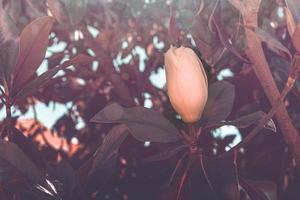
(183, 179)
(205, 174)
(176, 168)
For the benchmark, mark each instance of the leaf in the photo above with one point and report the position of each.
(259, 190)
(106, 157)
(144, 124)
(7, 172)
(40, 81)
(110, 146)
(14, 156)
(250, 119)
(220, 102)
(27, 147)
(271, 126)
(167, 154)
(8, 54)
(67, 176)
(221, 176)
(225, 40)
(33, 44)
(272, 42)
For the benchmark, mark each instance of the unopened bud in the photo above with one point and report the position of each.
(187, 83)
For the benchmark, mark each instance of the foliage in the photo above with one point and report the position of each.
(101, 56)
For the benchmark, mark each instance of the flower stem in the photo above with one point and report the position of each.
(193, 135)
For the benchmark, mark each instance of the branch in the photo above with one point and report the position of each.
(287, 88)
(256, 55)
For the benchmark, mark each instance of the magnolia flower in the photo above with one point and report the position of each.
(187, 84)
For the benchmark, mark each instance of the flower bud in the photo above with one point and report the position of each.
(186, 83)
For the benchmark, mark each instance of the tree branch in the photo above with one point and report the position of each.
(287, 88)
(256, 55)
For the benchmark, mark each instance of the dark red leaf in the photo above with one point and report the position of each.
(222, 177)
(40, 81)
(109, 147)
(28, 148)
(259, 190)
(219, 104)
(144, 124)
(14, 156)
(33, 45)
(166, 154)
(250, 119)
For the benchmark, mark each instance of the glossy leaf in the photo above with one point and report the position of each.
(220, 102)
(144, 124)
(33, 45)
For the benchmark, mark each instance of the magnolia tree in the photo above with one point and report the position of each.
(225, 125)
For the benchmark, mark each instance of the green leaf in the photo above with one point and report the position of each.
(220, 102)
(15, 157)
(144, 124)
(33, 44)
